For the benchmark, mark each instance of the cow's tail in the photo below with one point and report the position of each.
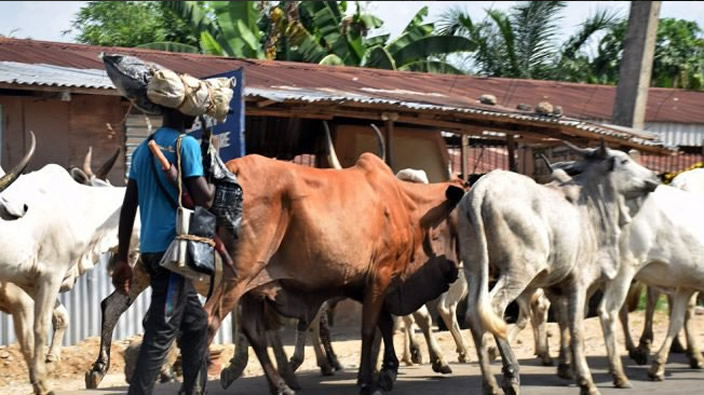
(479, 267)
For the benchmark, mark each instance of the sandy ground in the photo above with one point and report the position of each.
(67, 378)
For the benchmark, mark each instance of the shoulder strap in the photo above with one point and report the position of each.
(159, 181)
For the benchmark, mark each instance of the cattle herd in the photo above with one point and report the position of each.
(311, 237)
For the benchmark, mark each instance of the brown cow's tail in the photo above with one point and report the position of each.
(479, 267)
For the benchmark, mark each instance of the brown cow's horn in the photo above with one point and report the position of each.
(382, 143)
(86, 162)
(547, 162)
(105, 168)
(332, 155)
(12, 175)
(581, 151)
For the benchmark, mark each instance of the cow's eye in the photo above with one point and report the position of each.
(625, 161)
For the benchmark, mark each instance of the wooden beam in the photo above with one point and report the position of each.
(265, 103)
(42, 88)
(511, 145)
(465, 157)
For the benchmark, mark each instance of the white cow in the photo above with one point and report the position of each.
(691, 181)
(562, 236)
(66, 227)
(663, 247)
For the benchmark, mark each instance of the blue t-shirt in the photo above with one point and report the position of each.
(156, 211)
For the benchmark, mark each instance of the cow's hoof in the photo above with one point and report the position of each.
(407, 361)
(387, 378)
(546, 360)
(228, 376)
(696, 361)
(336, 365)
(284, 390)
(564, 371)
(493, 353)
(295, 363)
(369, 390)
(622, 382)
(676, 347)
(589, 390)
(639, 355)
(511, 383)
(441, 367)
(488, 389)
(657, 371)
(93, 378)
(416, 354)
(462, 357)
(327, 370)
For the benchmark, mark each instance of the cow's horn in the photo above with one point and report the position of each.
(382, 143)
(547, 162)
(581, 151)
(86, 162)
(15, 172)
(332, 155)
(105, 168)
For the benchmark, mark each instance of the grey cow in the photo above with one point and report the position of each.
(562, 236)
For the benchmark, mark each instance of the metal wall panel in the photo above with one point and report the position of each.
(83, 305)
(682, 134)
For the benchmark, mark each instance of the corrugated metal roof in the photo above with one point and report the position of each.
(51, 75)
(353, 87)
(582, 101)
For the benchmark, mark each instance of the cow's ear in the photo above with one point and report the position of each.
(454, 194)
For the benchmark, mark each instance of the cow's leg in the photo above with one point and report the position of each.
(411, 347)
(299, 350)
(239, 359)
(612, 302)
(112, 308)
(642, 353)
(623, 317)
(489, 384)
(371, 308)
(282, 364)
(425, 322)
(517, 327)
(539, 307)
(59, 321)
(21, 306)
(564, 366)
(43, 306)
(321, 359)
(325, 338)
(448, 312)
(576, 303)
(254, 328)
(676, 347)
(677, 311)
(389, 370)
(696, 361)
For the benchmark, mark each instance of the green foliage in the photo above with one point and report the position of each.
(128, 24)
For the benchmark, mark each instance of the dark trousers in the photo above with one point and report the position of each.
(174, 307)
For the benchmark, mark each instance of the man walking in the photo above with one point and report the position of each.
(175, 305)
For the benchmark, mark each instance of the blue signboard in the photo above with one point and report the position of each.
(229, 136)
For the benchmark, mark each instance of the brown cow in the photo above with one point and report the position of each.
(312, 234)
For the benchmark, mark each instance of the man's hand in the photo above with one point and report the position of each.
(122, 276)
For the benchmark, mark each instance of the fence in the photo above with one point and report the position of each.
(83, 306)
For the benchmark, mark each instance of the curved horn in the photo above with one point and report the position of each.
(15, 172)
(547, 162)
(603, 149)
(105, 168)
(86, 162)
(382, 143)
(332, 155)
(581, 151)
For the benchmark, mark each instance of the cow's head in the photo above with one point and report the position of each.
(626, 176)
(7, 179)
(86, 176)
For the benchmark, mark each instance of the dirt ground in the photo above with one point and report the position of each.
(76, 360)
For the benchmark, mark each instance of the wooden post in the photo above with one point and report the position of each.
(636, 64)
(464, 157)
(511, 145)
(389, 118)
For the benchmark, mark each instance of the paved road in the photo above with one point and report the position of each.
(680, 379)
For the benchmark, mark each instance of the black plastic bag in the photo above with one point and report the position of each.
(201, 256)
(227, 205)
(131, 77)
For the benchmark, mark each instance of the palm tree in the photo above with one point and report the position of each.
(522, 43)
